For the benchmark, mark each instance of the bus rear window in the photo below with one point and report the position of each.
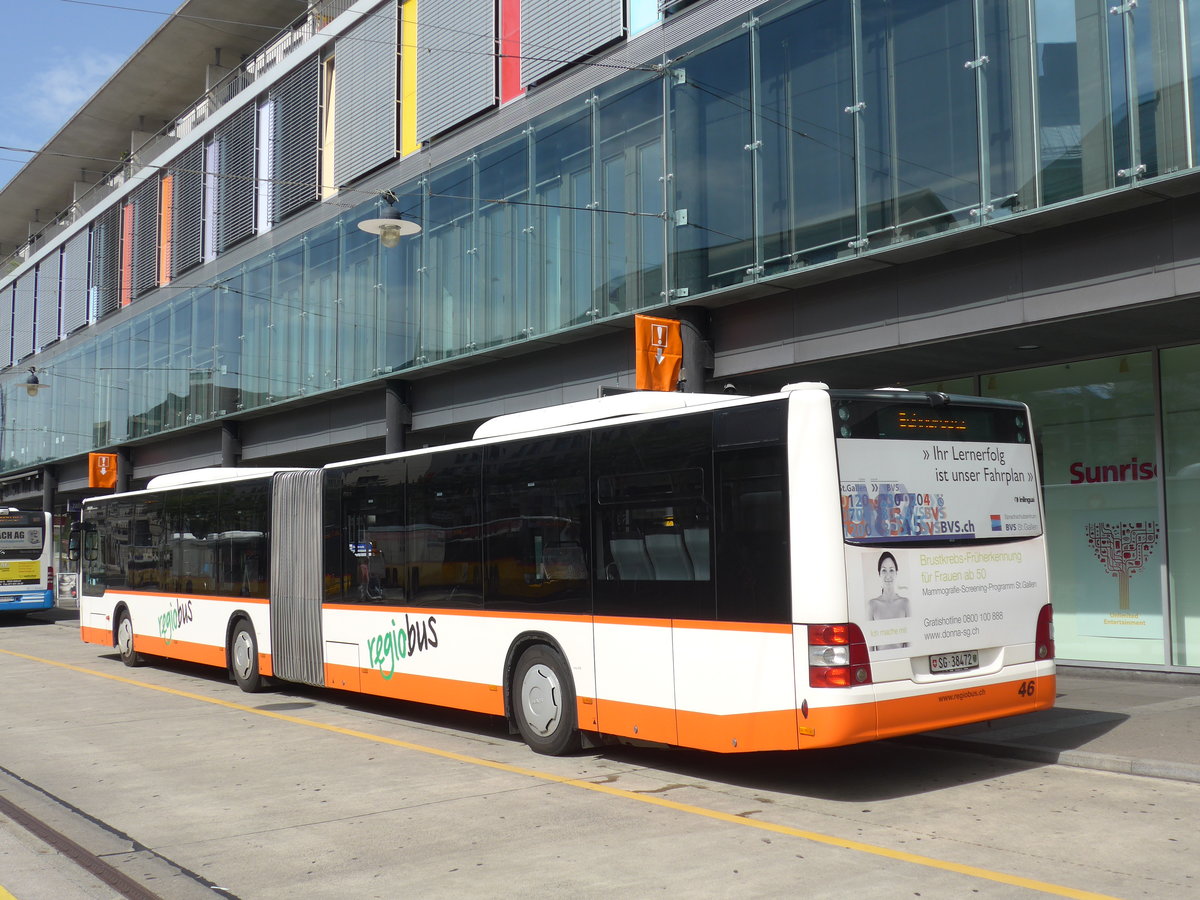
(928, 467)
(21, 535)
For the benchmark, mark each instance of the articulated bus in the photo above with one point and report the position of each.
(26, 561)
(811, 568)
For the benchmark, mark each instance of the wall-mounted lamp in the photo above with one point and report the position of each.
(32, 384)
(389, 226)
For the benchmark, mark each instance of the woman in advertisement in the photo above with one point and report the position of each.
(889, 604)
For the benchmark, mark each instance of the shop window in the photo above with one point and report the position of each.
(1094, 423)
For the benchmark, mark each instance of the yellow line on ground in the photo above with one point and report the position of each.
(816, 837)
(5, 895)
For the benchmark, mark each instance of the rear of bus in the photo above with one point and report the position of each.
(945, 616)
(26, 567)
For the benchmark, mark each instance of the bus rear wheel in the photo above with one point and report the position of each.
(243, 658)
(544, 704)
(129, 656)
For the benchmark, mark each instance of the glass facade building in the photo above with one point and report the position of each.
(715, 153)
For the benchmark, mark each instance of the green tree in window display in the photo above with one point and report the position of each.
(1123, 548)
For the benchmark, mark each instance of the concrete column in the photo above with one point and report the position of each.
(697, 350)
(231, 444)
(49, 488)
(124, 464)
(397, 415)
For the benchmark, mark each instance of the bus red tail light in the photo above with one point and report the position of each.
(837, 656)
(1043, 642)
(49, 578)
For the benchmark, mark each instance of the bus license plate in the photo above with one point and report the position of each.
(954, 662)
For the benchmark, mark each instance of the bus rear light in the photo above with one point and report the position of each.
(49, 578)
(1043, 641)
(837, 656)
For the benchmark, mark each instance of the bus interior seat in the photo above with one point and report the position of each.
(633, 563)
(669, 558)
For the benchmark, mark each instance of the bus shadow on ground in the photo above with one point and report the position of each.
(857, 773)
(869, 772)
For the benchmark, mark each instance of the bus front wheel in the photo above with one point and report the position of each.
(129, 656)
(243, 658)
(545, 702)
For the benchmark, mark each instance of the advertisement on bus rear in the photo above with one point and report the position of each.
(930, 490)
(952, 603)
(953, 596)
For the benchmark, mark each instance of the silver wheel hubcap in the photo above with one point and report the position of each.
(243, 655)
(125, 636)
(541, 699)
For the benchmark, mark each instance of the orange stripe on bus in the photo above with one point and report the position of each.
(753, 627)
(182, 650)
(633, 720)
(92, 635)
(960, 707)
(836, 726)
(466, 695)
(740, 733)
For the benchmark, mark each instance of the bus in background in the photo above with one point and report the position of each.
(26, 561)
(811, 568)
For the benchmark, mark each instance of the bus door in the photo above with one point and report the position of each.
(652, 552)
(297, 584)
(734, 659)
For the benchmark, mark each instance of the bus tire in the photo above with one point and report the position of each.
(124, 641)
(243, 658)
(544, 702)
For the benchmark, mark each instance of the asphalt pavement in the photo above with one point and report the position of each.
(1138, 723)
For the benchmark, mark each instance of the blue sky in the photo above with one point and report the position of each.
(56, 55)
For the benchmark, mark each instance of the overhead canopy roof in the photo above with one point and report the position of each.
(162, 79)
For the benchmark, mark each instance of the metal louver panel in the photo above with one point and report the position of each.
(554, 33)
(456, 65)
(6, 322)
(145, 237)
(22, 328)
(296, 139)
(364, 118)
(46, 321)
(75, 284)
(104, 283)
(187, 215)
(235, 179)
(296, 580)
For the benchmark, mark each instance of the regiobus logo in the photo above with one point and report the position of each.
(1126, 471)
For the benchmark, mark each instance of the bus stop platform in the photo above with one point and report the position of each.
(1137, 723)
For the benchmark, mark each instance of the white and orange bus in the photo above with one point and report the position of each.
(810, 568)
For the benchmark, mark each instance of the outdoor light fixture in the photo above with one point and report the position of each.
(32, 385)
(389, 226)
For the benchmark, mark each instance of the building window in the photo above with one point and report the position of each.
(1095, 428)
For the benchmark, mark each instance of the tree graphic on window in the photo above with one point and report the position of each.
(1123, 548)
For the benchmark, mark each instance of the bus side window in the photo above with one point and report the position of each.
(752, 568)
